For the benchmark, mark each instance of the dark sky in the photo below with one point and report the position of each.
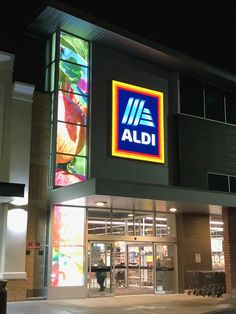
(205, 30)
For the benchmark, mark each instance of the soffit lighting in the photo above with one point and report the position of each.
(172, 209)
(99, 203)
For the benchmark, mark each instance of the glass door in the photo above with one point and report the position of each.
(134, 277)
(140, 266)
(165, 281)
(146, 266)
(120, 261)
(100, 276)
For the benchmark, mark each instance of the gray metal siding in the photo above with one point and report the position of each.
(108, 64)
(205, 146)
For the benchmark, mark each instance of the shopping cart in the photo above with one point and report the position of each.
(205, 283)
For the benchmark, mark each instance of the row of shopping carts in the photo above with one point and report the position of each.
(205, 283)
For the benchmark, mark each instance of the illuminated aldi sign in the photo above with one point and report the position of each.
(137, 123)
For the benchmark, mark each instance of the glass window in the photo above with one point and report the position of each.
(73, 78)
(230, 100)
(70, 107)
(165, 225)
(217, 182)
(71, 139)
(191, 96)
(217, 250)
(50, 77)
(74, 49)
(122, 222)
(68, 246)
(99, 221)
(232, 181)
(72, 171)
(144, 223)
(214, 103)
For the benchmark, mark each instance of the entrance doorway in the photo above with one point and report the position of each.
(165, 270)
(132, 268)
(100, 275)
(140, 266)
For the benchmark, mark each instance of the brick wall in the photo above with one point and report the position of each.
(229, 219)
(193, 232)
(16, 289)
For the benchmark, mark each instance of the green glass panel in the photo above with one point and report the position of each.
(79, 166)
(48, 52)
(52, 75)
(74, 49)
(50, 176)
(53, 49)
(72, 108)
(51, 138)
(46, 80)
(52, 107)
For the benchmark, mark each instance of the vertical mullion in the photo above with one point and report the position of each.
(55, 106)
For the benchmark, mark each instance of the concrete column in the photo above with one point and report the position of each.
(20, 137)
(229, 219)
(15, 219)
(3, 228)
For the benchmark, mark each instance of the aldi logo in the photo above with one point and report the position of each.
(137, 123)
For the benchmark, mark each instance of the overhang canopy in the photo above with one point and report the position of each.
(137, 196)
(57, 15)
(10, 190)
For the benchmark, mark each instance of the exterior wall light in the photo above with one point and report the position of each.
(172, 209)
(101, 203)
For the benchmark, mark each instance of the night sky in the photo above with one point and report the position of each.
(205, 30)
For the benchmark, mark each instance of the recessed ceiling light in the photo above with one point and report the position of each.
(101, 203)
(173, 209)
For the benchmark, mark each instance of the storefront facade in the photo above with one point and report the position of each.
(131, 164)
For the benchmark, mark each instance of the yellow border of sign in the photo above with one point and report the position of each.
(130, 155)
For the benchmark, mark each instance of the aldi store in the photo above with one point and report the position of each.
(132, 173)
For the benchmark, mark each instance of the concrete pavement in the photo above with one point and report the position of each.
(135, 304)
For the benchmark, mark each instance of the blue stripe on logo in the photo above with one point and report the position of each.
(135, 113)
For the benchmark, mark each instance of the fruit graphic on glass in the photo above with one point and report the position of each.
(64, 178)
(71, 134)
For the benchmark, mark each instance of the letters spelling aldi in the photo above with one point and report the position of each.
(137, 123)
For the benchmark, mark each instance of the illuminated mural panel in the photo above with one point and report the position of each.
(72, 108)
(74, 49)
(67, 247)
(71, 100)
(137, 123)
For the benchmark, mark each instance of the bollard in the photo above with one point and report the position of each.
(3, 297)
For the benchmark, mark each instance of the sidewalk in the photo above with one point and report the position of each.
(135, 304)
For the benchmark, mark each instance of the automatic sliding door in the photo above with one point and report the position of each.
(140, 265)
(165, 268)
(100, 269)
(146, 266)
(134, 278)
